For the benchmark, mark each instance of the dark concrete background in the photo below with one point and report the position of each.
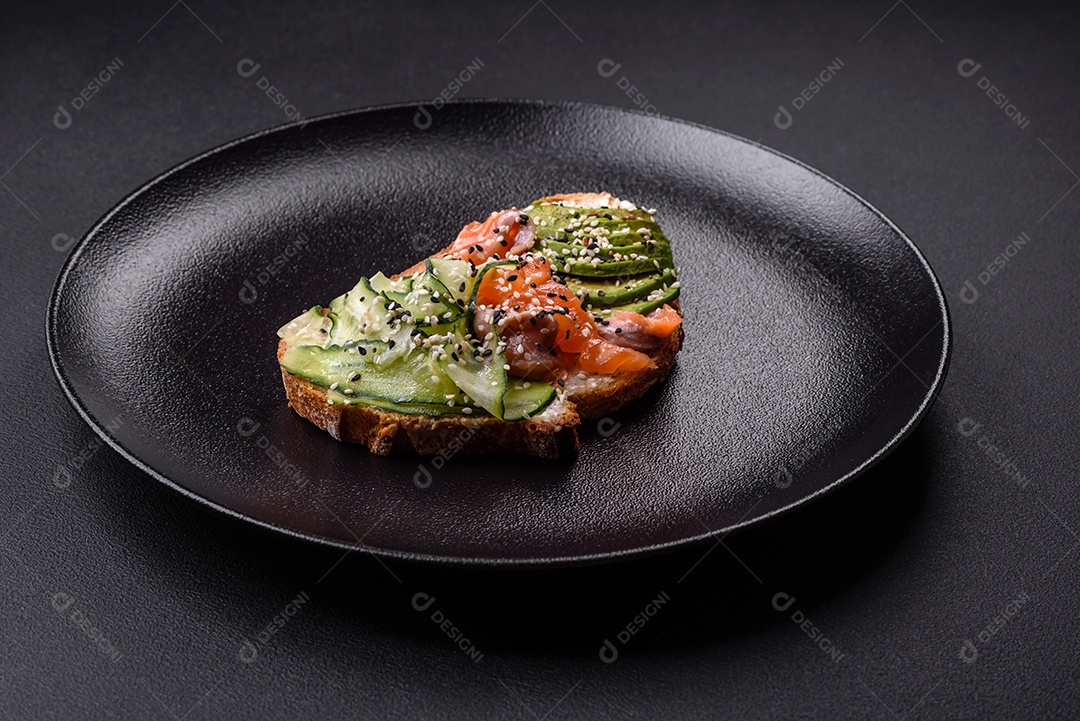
(945, 543)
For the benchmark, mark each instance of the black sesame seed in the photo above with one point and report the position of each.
(455, 357)
(567, 334)
(618, 330)
(362, 350)
(487, 352)
(461, 288)
(354, 377)
(391, 344)
(512, 278)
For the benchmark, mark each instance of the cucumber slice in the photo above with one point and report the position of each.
(422, 409)
(414, 378)
(429, 302)
(482, 377)
(381, 284)
(526, 399)
(361, 313)
(458, 276)
(309, 328)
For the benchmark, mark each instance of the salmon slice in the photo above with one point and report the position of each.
(504, 233)
(546, 330)
(641, 332)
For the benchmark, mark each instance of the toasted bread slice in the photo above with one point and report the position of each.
(551, 434)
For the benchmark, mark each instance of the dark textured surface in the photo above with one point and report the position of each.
(898, 570)
(811, 324)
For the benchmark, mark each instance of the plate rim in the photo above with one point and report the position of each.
(928, 400)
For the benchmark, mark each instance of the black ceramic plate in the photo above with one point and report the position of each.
(816, 333)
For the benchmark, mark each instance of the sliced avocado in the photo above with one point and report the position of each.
(652, 249)
(622, 226)
(611, 269)
(604, 292)
(549, 212)
(644, 307)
